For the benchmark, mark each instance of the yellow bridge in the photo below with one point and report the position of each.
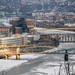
(8, 51)
(15, 50)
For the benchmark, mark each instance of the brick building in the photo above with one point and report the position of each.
(17, 27)
(30, 25)
(5, 31)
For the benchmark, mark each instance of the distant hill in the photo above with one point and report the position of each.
(36, 5)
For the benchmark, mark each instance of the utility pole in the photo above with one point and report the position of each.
(65, 67)
(66, 63)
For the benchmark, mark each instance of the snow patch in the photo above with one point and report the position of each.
(12, 62)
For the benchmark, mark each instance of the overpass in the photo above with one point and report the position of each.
(11, 50)
(15, 50)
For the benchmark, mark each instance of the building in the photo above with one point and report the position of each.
(14, 23)
(21, 25)
(30, 25)
(18, 30)
(5, 27)
(4, 30)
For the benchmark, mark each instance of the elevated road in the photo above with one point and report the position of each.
(11, 51)
(15, 50)
(13, 46)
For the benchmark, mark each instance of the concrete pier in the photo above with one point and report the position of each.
(18, 57)
(6, 57)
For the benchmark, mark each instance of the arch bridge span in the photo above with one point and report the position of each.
(63, 35)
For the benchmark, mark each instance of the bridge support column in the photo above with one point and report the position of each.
(18, 57)
(6, 57)
(68, 38)
(18, 53)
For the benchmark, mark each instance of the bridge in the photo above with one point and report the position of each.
(11, 50)
(62, 33)
(14, 50)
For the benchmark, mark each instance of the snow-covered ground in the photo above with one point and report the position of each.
(12, 62)
(51, 68)
(46, 68)
(54, 68)
(8, 64)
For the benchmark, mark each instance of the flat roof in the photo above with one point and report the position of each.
(55, 32)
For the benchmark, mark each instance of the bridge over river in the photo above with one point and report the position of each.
(64, 36)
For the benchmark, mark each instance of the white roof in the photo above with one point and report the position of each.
(55, 32)
(6, 24)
